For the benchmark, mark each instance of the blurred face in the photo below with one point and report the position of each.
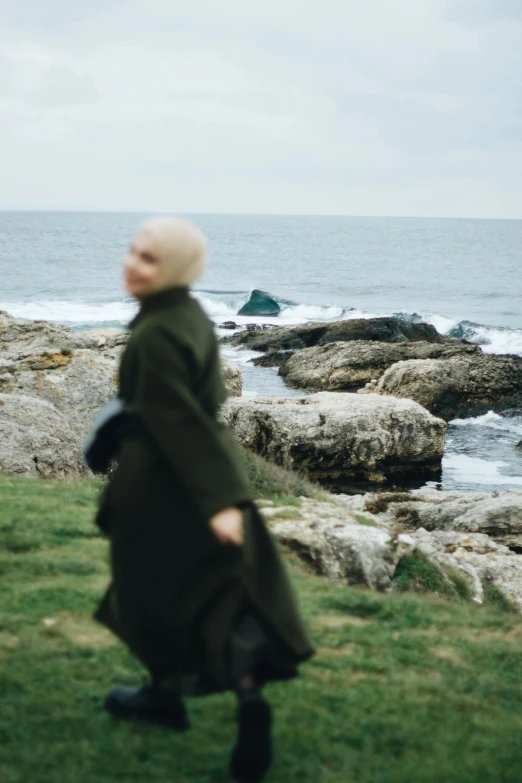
(141, 267)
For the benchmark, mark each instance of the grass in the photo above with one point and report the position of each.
(405, 688)
(272, 482)
(416, 573)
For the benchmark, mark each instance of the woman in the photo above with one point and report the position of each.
(199, 593)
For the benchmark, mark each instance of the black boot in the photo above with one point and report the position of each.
(252, 755)
(149, 704)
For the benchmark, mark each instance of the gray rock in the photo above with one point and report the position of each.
(78, 384)
(458, 386)
(272, 359)
(496, 514)
(104, 339)
(347, 366)
(340, 436)
(478, 557)
(351, 553)
(232, 377)
(74, 373)
(519, 446)
(345, 546)
(386, 330)
(37, 440)
(344, 542)
(21, 337)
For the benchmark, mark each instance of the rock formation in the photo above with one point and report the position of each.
(74, 374)
(457, 386)
(37, 440)
(348, 366)
(340, 437)
(496, 514)
(385, 330)
(342, 539)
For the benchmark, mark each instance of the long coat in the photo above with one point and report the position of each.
(185, 604)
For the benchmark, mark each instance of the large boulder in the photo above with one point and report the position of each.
(75, 373)
(78, 383)
(260, 303)
(344, 438)
(37, 440)
(384, 330)
(348, 366)
(458, 386)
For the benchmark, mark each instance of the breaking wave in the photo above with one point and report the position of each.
(224, 305)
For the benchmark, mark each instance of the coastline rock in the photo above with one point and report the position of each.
(519, 446)
(385, 330)
(73, 368)
(458, 386)
(21, 337)
(232, 377)
(228, 325)
(260, 303)
(496, 514)
(345, 437)
(351, 553)
(349, 366)
(479, 558)
(345, 544)
(73, 375)
(37, 440)
(272, 359)
(346, 547)
(78, 383)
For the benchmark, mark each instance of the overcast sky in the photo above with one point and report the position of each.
(363, 107)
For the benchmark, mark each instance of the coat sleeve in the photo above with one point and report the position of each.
(201, 451)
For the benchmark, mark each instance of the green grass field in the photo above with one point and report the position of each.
(405, 688)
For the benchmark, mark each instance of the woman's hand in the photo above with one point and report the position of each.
(228, 526)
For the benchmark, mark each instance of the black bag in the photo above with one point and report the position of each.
(104, 438)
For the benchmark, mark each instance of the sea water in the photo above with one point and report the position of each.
(463, 276)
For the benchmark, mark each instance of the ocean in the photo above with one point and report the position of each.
(463, 276)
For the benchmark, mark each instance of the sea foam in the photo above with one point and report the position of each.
(466, 470)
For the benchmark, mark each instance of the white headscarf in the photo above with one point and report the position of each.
(181, 251)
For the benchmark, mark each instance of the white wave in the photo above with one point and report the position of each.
(302, 313)
(216, 308)
(71, 312)
(499, 340)
(473, 470)
(491, 420)
(442, 323)
(492, 339)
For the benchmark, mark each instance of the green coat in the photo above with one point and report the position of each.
(185, 604)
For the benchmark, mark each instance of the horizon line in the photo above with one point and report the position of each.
(247, 214)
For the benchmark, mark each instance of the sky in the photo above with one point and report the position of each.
(374, 107)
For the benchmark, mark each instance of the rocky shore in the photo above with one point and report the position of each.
(53, 381)
(449, 377)
(383, 391)
(362, 539)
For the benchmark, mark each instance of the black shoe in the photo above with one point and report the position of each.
(149, 704)
(252, 755)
